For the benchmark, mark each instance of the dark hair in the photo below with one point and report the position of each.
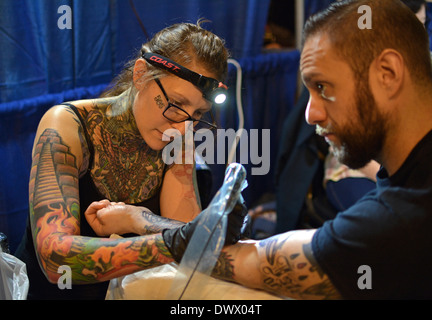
(414, 5)
(393, 26)
(183, 43)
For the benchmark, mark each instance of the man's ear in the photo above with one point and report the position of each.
(389, 71)
(140, 68)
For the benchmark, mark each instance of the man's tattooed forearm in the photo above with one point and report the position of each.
(224, 268)
(291, 274)
(278, 271)
(307, 249)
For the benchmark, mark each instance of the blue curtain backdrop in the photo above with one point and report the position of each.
(37, 57)
(42, 65)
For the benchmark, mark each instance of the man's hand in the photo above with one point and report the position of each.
(177, 239)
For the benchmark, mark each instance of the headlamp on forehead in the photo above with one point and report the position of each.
(212, 90)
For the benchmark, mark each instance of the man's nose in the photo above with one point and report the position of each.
(315, 111)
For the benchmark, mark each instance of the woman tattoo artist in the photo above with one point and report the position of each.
(102, 153)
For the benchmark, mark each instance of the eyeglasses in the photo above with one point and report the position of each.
(176, 114)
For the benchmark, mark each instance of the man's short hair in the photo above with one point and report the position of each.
(394, 26)
(414, 5)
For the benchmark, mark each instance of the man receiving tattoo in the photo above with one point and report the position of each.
(381, 82)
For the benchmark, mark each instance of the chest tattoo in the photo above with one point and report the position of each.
(124, 168)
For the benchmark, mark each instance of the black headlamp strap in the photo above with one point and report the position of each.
(205, 84)
(172, 67)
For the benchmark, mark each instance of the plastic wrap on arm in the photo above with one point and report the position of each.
(207, 241)
(14, 282)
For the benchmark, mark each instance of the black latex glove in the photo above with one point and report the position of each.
(177, 239)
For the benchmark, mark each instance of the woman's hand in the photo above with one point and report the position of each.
(107, 217)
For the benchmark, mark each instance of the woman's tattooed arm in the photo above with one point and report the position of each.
(55, 216)
(154, 224)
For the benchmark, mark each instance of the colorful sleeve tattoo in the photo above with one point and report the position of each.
(55, 214)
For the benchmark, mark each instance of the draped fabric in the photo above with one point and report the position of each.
(268, 95)
(40, 56)
(269, 90)
(45, 61)
(18, 124)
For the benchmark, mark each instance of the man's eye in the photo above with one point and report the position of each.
(322, 90)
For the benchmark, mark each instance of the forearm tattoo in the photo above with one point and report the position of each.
(278, 267)
(294, 273)
(281, 270)
(55, 216)
(155, 223)
(224, 268)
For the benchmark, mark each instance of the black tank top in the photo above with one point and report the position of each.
(40, 288)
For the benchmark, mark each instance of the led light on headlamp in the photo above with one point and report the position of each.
(219, 97)
(213, 90)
